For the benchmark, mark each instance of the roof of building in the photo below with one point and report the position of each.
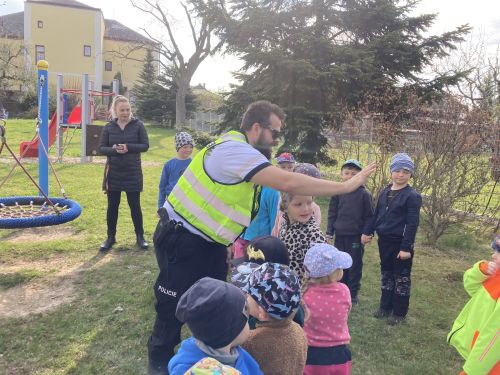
(12, 25)
(117, 31)
(64, 3)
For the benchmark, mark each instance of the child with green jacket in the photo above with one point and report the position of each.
(476, 331)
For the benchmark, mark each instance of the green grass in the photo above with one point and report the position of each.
(11, 279)
(104, 328)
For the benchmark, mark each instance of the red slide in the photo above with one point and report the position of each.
(32, 146)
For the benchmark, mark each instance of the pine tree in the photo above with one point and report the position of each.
(318, 57)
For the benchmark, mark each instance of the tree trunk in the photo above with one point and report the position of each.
(180, 102)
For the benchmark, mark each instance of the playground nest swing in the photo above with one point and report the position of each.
(37, 211)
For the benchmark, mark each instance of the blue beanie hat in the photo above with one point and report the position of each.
(402, 161)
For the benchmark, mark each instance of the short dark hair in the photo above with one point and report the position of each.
(260, 112)
(350, 166)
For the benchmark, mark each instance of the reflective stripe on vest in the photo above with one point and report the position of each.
(219, 211)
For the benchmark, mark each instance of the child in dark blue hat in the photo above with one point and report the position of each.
(217, 315)
(273, 297)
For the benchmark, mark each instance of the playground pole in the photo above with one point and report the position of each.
(59, 117)
(85, 108)
(43, 125)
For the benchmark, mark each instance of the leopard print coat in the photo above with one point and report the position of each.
(298, 238)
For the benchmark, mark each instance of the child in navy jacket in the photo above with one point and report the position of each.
(396, 221)
(347, 216)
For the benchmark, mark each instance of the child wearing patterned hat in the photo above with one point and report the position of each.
(285, 161)
(328, 303)
(273, 297)
(175, 167)
(395, 220)
(475, 333)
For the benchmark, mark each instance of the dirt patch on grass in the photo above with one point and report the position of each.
(43, 234)
(45, 294)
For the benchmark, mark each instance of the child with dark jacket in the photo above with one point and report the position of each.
(347, 216)
(396, 222)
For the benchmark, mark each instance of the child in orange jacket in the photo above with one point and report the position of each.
(476, 331)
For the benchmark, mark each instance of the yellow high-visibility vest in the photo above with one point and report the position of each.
(220, 211)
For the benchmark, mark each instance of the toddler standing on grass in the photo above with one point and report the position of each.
(396, 222)
(175, 167)
(328, 303)
(347, 216)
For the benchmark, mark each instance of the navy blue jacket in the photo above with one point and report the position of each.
(399, 219)
(349, 213)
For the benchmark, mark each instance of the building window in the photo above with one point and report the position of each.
(40, 52)
(87, 51)
(108, 66)
(40, 24)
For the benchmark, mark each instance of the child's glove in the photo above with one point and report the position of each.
(492, 268)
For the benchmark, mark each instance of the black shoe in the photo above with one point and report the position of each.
(108, 244)
(394, 320)
(141, 242)
(354, 301)
(381, 313)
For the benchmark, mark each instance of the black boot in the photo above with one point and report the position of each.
(108, 244)
(141, 242)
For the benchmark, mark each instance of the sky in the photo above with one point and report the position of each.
(215, 72)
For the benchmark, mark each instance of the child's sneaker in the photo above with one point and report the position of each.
(381, 313)
(394, 320)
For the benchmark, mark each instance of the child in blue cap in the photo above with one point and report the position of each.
(347, 216)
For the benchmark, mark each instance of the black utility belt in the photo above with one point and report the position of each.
(165, 225)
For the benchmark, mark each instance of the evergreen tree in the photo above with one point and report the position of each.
(318, 57)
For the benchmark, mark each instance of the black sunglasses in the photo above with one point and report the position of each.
(276, 134)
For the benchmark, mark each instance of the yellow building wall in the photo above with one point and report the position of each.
(130, 68)
(64, 34)
(12, 47)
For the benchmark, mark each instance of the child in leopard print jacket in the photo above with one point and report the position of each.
(299, 231)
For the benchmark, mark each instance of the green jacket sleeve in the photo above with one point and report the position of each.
(473, 279)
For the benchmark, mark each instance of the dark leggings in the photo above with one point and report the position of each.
(134, 202)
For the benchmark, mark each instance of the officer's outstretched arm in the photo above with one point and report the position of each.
(300, 184)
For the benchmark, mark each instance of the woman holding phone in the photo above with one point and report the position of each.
(122, 141)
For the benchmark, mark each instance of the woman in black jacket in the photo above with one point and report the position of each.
(122, 141)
